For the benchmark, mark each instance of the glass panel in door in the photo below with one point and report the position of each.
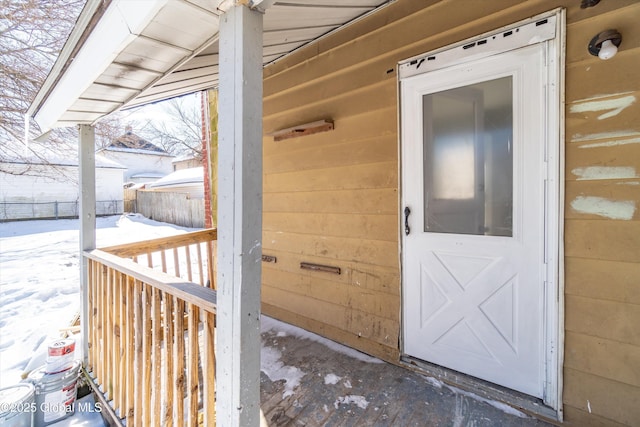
(468, 159)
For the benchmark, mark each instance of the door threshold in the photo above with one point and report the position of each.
(484, 389)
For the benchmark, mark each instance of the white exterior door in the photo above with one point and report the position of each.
(473, 185)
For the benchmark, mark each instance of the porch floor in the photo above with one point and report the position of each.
(309, 381)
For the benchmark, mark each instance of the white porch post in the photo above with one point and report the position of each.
(239, 218)
(87, 215)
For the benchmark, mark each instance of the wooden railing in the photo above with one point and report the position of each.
(190, 256)
(151, 334)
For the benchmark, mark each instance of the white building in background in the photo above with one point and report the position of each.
(144, 161)
(189, 181)
(186, 162)
(47, 186)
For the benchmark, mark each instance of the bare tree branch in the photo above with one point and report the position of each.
(179, 130)
(32, 32)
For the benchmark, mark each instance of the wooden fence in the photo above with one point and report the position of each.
(174, 208)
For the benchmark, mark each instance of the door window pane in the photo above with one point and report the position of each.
(468, 164)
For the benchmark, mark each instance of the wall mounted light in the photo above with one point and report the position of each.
(588, 3)
(605, 45)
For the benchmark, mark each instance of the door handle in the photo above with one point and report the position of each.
(407, 211)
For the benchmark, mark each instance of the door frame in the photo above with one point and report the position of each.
(554, 192)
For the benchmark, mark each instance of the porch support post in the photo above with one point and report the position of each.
(87, 215)
(239, 217)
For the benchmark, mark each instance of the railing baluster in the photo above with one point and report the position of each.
(209, 370)
(146, 355)
(137, 372)
(163, 259)
(102, 326)
(203, 280)
(131, 350)
(179, 361)
(188, 255)
(169, 338)
(92, 314)
(156, 355)
(176, 262)
(118, 395)
(192, 359)
(212, 283)
(109, 332)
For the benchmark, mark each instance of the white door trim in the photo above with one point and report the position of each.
(518, 35)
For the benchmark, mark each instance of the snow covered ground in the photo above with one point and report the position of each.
(39, 280)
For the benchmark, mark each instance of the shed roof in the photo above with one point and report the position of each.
(124, 53)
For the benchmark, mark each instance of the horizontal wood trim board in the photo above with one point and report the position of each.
(620, 161)
(577, 417)
(322, 155)
(371, 277)
(606, 398)
(374, 97)
(365, 325)
(367, 176)
(366, 227)
(376, 201)
(374, 252)
(385, 352)
(586, 239)
(302, 130)
(602, 357)
(377, 303)
(603, 280)
(581, 84)
(605, 319)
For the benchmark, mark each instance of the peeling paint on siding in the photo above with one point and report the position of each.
(615, 105)
(606, 135)
(605, 172)
(611, 209)
(612, 143)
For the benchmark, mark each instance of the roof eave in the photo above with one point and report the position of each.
(87, 20)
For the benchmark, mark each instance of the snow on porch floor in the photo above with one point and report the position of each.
(307, 380)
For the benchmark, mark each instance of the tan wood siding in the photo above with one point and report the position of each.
(332, 198)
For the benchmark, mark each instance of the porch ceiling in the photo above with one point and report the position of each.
(125, 53)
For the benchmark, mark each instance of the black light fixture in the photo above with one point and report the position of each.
(605, 44)
(588, 3)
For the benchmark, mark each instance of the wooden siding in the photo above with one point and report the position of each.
(332, 198)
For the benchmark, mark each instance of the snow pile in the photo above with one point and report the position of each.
(332, 379)
(271, 365)
(349, 399)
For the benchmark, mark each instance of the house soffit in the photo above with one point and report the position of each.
(134, 53)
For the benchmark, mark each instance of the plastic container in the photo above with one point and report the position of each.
(17, 405)
(60, 356)
(55, 394)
